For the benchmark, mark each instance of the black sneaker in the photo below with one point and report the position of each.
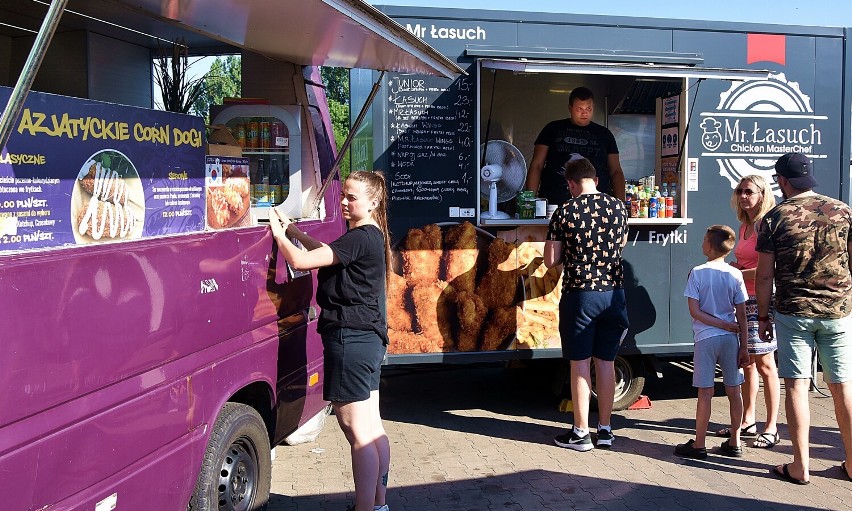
(688, 451)
(726, 449)
(571, 440)
(605, 438)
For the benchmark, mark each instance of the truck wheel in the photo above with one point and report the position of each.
(236, 472)
(629, 381)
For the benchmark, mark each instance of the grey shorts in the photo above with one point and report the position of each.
(797, 337)
(722, 350)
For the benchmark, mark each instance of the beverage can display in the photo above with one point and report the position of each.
(265, 133)
(252, 135)
(241, 135)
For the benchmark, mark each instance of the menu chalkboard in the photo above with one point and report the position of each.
(430, 158)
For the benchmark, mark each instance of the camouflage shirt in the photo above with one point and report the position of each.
(809, 236)
(591, 228)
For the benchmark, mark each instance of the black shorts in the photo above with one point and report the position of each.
(592, 324)
(352, 364)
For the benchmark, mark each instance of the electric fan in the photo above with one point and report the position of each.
(503, 174)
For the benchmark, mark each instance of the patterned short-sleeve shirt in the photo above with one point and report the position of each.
(809, 236)
(591, 228)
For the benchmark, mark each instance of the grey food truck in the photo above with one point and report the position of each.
(155, 348)
(693, 106)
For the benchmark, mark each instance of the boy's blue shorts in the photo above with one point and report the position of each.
(722, 350)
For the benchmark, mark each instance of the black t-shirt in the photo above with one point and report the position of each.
(563, 137)
(352, 293)
(591, 228)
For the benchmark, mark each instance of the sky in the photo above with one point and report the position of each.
(831, 13)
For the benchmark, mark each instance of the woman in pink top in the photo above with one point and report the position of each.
(751, 200)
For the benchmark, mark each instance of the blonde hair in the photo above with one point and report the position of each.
(767, 200)
(377, 190)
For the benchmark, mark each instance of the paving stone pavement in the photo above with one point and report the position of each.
(481, 438)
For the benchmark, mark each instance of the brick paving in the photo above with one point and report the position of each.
(481, 438)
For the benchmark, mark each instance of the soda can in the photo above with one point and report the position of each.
(241, 135)
(670, 212)
(253, 135)
(265, 141)
(652, 207)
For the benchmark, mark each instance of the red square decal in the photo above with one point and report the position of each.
(767, 48)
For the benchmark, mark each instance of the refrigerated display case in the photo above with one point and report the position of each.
(270, 136)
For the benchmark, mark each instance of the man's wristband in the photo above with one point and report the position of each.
(763, 318)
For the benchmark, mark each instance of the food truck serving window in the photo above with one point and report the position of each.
(643, 105)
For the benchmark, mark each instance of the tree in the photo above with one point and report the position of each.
(178, 90)
(336, 81)
(224, 80)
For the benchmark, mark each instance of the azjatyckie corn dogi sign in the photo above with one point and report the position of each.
(79, 171)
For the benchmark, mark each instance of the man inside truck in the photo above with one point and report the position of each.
(576, 134)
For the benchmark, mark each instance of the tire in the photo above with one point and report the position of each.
(236, 472)
(629, 381)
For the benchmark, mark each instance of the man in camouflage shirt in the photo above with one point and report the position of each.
(586, 235)
(803, 245)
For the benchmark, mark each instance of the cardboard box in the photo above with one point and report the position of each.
(220, 142)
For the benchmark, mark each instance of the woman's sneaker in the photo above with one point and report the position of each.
(688, 451)
(571, 440)
(605, 438)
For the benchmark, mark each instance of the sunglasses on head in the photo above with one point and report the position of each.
(745, 191)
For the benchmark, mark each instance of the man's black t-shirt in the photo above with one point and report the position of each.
(352, 293)
(563, 137)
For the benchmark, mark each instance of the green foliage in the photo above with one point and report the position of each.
(340, 123)
(171, 73)
(224, 80)
(336, 81)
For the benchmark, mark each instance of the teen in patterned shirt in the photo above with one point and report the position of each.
(586, 235)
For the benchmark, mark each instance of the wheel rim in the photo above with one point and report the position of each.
(238, 477)
(623, 377)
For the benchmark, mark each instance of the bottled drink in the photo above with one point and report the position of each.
(665, 190)
(275, 196)
(262, 186)
(657, 192)
(673, 195)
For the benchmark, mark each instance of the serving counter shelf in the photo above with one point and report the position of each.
(511, 222)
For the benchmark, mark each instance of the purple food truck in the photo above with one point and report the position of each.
(150, 361)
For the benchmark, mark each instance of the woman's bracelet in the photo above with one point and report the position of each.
(762, 318)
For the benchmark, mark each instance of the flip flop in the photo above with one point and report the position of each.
(766, 440)
(787, 477)
(750, 430)
(843, 468)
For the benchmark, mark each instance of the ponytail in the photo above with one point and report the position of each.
(377, 190)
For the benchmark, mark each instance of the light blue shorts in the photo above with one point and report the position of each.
(720, 349)
(797, 337)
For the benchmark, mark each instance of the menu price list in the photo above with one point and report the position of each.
(430, 157)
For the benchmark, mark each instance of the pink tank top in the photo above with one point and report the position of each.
(747, 255)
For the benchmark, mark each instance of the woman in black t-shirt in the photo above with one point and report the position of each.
(351, 277)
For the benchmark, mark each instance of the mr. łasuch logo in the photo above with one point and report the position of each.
(757, 121)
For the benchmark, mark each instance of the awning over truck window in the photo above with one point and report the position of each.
(629, 69)
(341, 33)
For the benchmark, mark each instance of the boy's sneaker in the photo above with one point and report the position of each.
(727, 449)
(571, 440)
(688, 451)
(605, 438)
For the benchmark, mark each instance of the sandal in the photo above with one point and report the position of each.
(784, 473)
(766, 440)
(843, 468)
(750, 430)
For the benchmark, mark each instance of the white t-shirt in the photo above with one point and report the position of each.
(718, 287)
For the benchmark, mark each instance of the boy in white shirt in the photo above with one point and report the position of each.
(717, 295)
